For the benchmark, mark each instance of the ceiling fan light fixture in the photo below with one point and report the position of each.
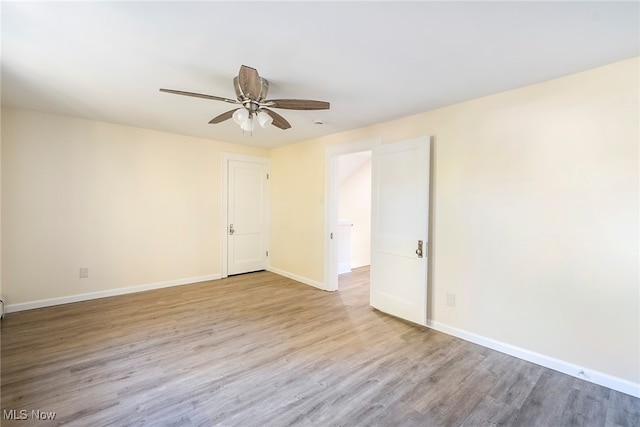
(240, 116)
(247, 125)
(264, 119)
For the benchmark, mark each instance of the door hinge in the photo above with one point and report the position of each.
(267, 253)
(267, 177)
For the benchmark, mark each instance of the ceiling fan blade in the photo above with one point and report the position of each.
(249, 82)
(200, 95)
(278, 120)
(298, 104)
(222, 117)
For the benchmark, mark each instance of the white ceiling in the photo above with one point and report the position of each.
(373, 61)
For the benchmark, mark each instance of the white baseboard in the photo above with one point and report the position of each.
(107, 293)
(298, 278)
(596, 377)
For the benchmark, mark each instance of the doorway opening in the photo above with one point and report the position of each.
(353, 238)
(348, 211)
(400, 224)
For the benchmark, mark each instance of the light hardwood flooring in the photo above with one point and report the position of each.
(263, 350)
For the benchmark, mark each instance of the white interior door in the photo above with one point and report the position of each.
(400, 219)
(247, 217)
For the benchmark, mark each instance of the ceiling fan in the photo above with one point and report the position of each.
(251, 92)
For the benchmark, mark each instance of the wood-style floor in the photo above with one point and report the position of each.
(263, 350)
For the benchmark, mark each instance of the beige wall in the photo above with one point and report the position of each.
(135, 206)
(536, 215)
(297, 223)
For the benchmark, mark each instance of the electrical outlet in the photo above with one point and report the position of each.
(84, 272)
(451, 299)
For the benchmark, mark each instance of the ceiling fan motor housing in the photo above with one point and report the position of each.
(264, 89)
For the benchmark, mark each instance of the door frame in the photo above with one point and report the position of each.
(225, 203)
(332, 154)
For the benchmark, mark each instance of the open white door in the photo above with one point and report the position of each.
(400, 219)
(247, 217)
